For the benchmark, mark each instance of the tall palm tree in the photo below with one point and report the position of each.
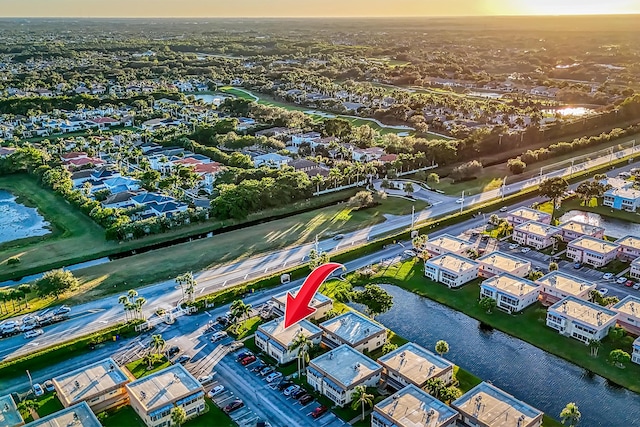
(124, 300)
(240, 310)
(361, 398)
(188, 285)
(570, 414)
(157, 343)
(442, 347)
(178, 415)
(303, 345)
(140, 301)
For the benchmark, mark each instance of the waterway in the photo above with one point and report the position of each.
(542, 380)
(18, 221)
(613, 227)
(211, 99)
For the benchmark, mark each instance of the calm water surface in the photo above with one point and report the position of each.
(613, 227)
(544, 381)
(18, 221)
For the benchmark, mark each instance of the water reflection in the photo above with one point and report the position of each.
(613, 227)
(18, 221)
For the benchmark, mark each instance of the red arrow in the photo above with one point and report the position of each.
(298, 308)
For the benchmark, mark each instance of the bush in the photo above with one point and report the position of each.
(516, 166)
(466, 171)
(13, 260)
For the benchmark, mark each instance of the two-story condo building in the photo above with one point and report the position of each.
(78, 415)
(338, 372)
(572, 230)
(320, 302)
(635, 268)
(9, 413)
(511, 293)
(355, 330)
(154, 396)
(557, 285)
(535, 234)
(629, 248)
(100, 384)
(275, 340)
(412, 407)
(522, 215)
(635, 356)
(595, 252)
(626, 199)
(582, 320)
(413, 364)
(498, 262)
(447, 244)
(487, 406)
(451, 269)
(629, 314)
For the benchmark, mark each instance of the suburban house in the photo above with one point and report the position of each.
(336, 373)
(79, 415)
(363, 155)
(557, 285)
(485, 405)
(629, 248)
(119, 200)
(412, 407)
(451, 269)
(447, 244)
(635, 356)
(101, 385)
(154, 396)
(629, 314)
(627, 199)
(272, 160)
(511, 293)
(275, 340)
(9, 413)
(355, 330)
(582, 320)
(572, 230)
(412, 364)
(535, 234)
(321, 303)
(634, 271)
(498, 262)
(522, 215)
(305, 138)
(595, 252)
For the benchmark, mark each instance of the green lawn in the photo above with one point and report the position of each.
(213, 417)
(246, 328)
(138, 368)
(124, 416)
(48, 404)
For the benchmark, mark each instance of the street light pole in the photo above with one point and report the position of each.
(462, 201)
(504, 184)
(413, 216)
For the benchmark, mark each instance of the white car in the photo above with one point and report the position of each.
(38, 390)
(620, 280)
(460, 201)
(217, 336)
(607, 276)
(274, 376)
(409, 253)
(504, 209)
(636, 286)
(525, 250)
(603, 291)
(514, 246)
(205, 378)
(215, 391)
(33, 333)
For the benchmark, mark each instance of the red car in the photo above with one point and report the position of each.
(319, 411)
(629, 283)
(247, 360)
(236, 404)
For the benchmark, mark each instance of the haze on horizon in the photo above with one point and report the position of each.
(310, 8)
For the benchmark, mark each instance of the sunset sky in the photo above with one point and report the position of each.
(308, 8)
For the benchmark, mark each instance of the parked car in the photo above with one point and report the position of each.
(274, 376)
(305, 399)
(247, 360)
(577, 265)
(290, 390)
(410, 253)
(460, 201)
(298, 394)
(629, 283)
(243, 354)
(603, 291)
(48, 386)
(317, 413)
(620, 280)
(266, 370)
(513, 246)
(284, 384)
(259, 367)
(233, 406)
(525, 250)
(636, 286)
(33, 333)
(63, 309)
(25, 327)
(217, 336)
(205, 378)
(504, 209)
(173, 351)
(215, 391)
(38, 390)
(607, 276)
(338, 237)
(182, 359)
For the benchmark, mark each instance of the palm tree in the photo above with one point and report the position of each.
(360, 397)
(188, 285)
(150, 359)
(594, 347)
(303, 345)
(157, 343)
(442, 347)
(570, 414)
(140, 301)
(240, 310)
(178, 415)
(28, 407)
(124, 300)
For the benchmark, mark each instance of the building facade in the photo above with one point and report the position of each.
(634, 270)
(594, 252)
(557, 285)
(413, 364)
(626, 199)
(412, 407)
(511, 293)
(629, 248)
(522, 215)
(451, 269)
(538, 235)
(78, 415)
(498, 262)
(629, 314)
(582, 320)
(355, 330)
(275, 340)
(572, 230)
(635, 356)
(447, 244)
(320, 302)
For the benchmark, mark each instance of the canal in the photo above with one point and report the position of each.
(544, 381)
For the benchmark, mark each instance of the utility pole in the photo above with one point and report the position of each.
(571, 169)
(504, 186)
(413, 216)
(317, 243)
(462, 202)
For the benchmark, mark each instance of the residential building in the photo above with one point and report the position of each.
(367, 154)
(499, 262)
(447, 244)
(338, 372)
(451, 269)
(634, 271)
(629, 248)
(321, 303)
(122, 199)
(154, 396)
(511, 293)
(582, 320)
(487, 406)
(635, 356)
(595, 252)
(79, 415)
(412, 407)
(535, 234)
(627, 199)
(412, 364)
(100, 384)
(275, 340)
(355, 330)
(523, 214)
(572, 230)
(271, 160)
(557, 285)
(629, 314)
(9, 414)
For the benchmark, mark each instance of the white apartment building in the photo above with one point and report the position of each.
(275, 340)
(582, 320)
(447, 244)
(572, 230)
(412, 407)
(594, 252)
(629, 248)
(635, 356)
(522, 215)
(511, 293)
(451, 269)
(355, 330)
(557, 285)
(498, 262)
(413, 364)
(321, 303)
(538, 235)
(629, 314)
(634, 271)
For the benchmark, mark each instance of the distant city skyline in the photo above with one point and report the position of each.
(310, 8)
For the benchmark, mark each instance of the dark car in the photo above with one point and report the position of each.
(305, 399)
(259, 367)
(247, 360)
(243, 354)
(284, 384)
(319, 411)
(298, 394)
(266, 370)
(173, 351)
(182, 359)
(235, 405)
